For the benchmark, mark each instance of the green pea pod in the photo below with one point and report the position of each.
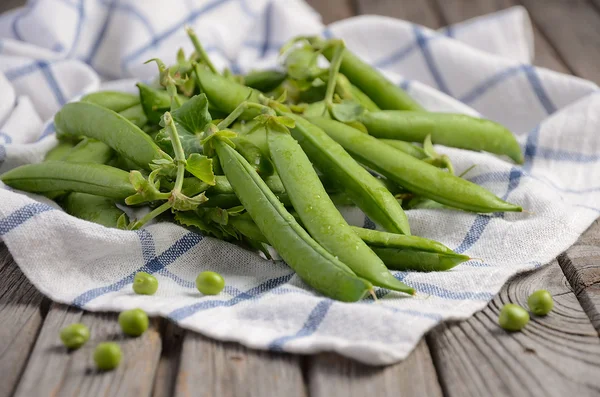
(407, 148)
(155, 101)
(254, 156)
(88, 119)
(264, 80)
(376, 238)
(407, 256)
(406, 260)
(49, 176)
(454, 130)
(59, 151)
(415, 175)
(347, 90)
(226, 94)
(90, 151)
(114, 100)
(136, 115)
(317, 267)
(375, 85)
(356, 182)
(92, 208)
(258, 137)
(363, 99)
(318, 213)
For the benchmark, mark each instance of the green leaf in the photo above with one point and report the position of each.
(191, 218)
(234, 211)
(180, 56)
(286, 121)
(122, 222)
(193, 115)
(183, 203)
(190, 142)
(347, 111)
(316, 109)
(201, 167)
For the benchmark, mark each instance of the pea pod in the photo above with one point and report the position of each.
(136, 115)
(347, 90)
(101, 210)
(88, 119)
(114, 100)
(375, 85)
(415, 175)
(310, 261)
(264, 80)
(454, 130)
(59, 151)
(226, 94)
(50, 176)
(320, 216)
(89, 151)
(407, 148)
(406, 259)
(408, 253)
(376, 238)
(256, 157)
(356, 182)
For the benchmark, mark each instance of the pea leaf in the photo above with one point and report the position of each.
(193, 115)
(191, 218)
(347, 111)
(183, 203)
(316, 109)
(189, 142)
(201, 167)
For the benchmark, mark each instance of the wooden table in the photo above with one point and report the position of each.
(554, 356)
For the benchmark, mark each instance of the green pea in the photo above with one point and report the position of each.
(75, 335)
(134, 322)
(107, 356)
(144, 283)
(513, 317)
(210, 283)
(540, 302)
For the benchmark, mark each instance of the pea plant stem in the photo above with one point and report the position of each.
(227, 121)
(334, 70)
(178, 150)
(151, 215)
(200, 50)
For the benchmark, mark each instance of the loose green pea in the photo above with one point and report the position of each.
(144, 283)
(75, 335)
(133, 322)
(107, 356)
(210, 283)
(513, 317)
(540, 302)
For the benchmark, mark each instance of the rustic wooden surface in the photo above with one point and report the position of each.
(555, 355)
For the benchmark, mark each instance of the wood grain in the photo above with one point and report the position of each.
(168, 366)
(423, 12)
(210, 368)
(21, 317)
(556, 355)
(332, 375)
(581, 265)
(573, 28)
(455, 11)
(333, 10)
(52, 370)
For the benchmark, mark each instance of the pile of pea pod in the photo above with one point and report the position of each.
(265, 160)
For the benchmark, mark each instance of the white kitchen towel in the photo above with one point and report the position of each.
(55, 50)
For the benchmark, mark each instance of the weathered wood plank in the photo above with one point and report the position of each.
(10, 4)
(53, 370)
(166, 373)
(331, 375)
(455, 11)
(581, 265)
(423, 12)
(333, 10)
(210, 368)
(556, 355)
(21, 317)
(573, 28)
